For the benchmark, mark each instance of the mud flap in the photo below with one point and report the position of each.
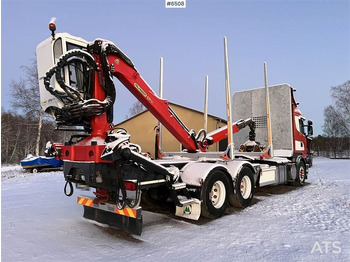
(191, 209)
(128, 224)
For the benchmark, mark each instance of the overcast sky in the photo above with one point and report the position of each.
(305, 43)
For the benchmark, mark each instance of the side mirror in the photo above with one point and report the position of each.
(310, 129)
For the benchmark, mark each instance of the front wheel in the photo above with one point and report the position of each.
(244, 189)
(214, 194)
(301, 174)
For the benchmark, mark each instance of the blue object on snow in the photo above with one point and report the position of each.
(40, 161)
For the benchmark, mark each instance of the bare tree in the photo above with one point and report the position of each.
(136, 108)
(341, 96)
(26, 98)
(18, 136)
(337, 120)
(332, 122)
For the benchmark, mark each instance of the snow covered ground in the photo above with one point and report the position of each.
(285, 223)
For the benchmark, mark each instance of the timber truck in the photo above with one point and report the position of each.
(77, 89)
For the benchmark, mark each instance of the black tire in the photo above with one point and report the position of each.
(243, 189)
(214, 194)
(300, 174)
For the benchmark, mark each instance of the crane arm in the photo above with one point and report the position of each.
(121, 67)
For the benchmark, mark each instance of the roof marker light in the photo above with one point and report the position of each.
(52, 27)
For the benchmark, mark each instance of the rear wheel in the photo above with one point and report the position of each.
(244, 188)
(214, 194)
(34, 170)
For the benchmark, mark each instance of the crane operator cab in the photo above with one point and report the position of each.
(48, 53)
(74, 86)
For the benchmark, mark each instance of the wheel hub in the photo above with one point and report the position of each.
(246, 187)
(301, 174)
(218, 194)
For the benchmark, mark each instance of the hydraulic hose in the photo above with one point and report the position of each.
(71, 190)
(70, 94)
(121, 203)
(77, 108)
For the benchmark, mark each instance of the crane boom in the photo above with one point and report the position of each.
(160, 108)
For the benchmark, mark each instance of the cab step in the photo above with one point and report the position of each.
(178, 186)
